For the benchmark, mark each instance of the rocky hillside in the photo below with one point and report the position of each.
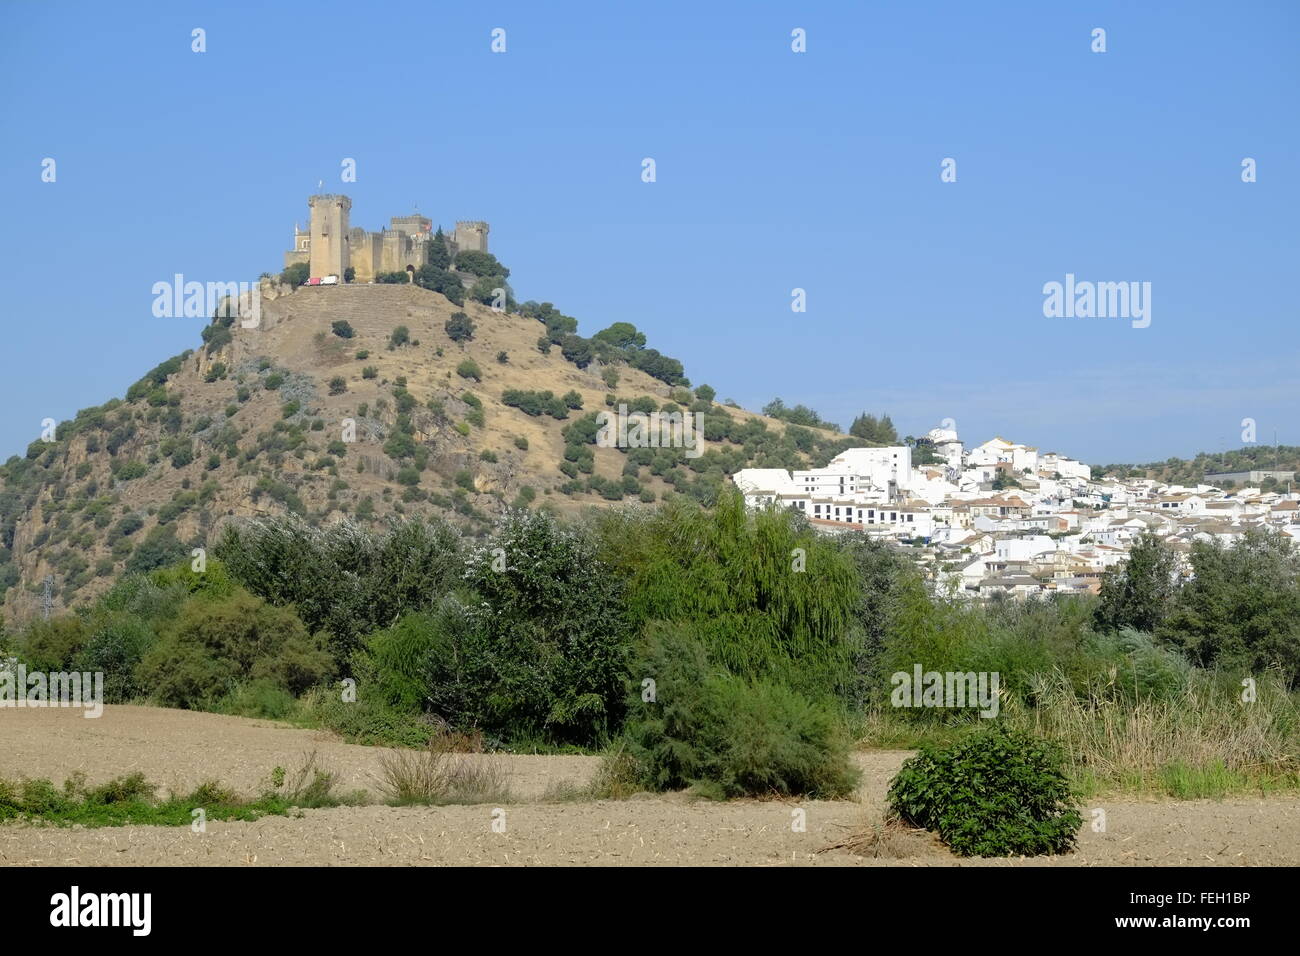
(253, 423)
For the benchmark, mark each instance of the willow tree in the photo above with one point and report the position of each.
(767, 596)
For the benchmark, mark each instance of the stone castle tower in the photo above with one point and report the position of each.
(330, 246)
(329, 234)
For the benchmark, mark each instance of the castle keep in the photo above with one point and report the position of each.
(330, 246)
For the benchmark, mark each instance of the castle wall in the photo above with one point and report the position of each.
(393, 243)
(365, 250)
(333, 246)
(411, 225)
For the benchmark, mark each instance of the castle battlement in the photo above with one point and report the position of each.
(330, 246)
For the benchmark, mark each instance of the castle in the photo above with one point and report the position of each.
(330, 247)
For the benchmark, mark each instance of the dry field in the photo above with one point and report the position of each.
(179, 749)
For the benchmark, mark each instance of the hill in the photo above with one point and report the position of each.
(253, 423)
(1192, 471)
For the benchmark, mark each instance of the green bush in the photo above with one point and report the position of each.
(479, 263)
(218, 643)
(998, 792)
(51, 645)
(159, 548)
(726, 736)
(540, 655)
(460, 327)
(296, 274)
(342, 578)
(115, 650)
(263, 698)
(367, 720)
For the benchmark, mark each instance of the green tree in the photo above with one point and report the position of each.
(556, 638)
(1139, 593)
(577, 350)
(881, 430)
(441, 280)
(1241, 608)
(436, 253)
(493, 291)
(296, 274)
(622, 335)
(343, 578)
(480, 264)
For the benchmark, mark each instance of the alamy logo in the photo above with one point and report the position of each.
(103, 909)
(22, 688)
(1098, 300)
(624, 429)
(198, 300)
(950, 689)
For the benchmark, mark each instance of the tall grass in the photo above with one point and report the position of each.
(436, 776)
(1201, 741)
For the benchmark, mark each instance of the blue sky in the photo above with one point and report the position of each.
(775, 170)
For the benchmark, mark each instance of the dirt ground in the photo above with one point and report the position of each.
(180, 749)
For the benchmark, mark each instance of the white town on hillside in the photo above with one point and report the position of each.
(1052, 528)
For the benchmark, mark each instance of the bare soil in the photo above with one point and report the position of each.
(179, 749)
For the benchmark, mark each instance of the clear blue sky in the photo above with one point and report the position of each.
(776, 170)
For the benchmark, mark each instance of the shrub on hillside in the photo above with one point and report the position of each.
(460, 327)
(296, 274)
(159, 548)
(495, 292)
(441, 280)
(998, 792)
